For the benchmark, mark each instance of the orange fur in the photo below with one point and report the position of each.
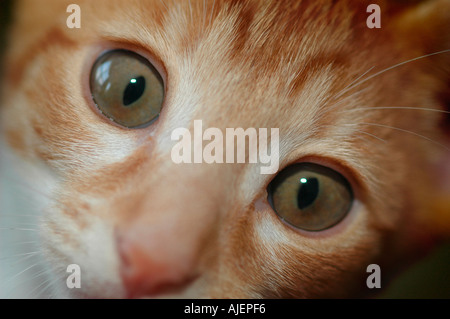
(232, 64)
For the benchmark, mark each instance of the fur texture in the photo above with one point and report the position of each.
(110, 199)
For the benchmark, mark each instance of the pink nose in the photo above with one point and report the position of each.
(165, 238)
(151, 266)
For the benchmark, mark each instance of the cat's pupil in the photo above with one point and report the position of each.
(308, 192)
(134, 90)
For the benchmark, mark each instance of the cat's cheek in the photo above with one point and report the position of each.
(352, 239)
(90, 248)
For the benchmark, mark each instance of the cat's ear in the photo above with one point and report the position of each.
(423, 28)
(421, 24)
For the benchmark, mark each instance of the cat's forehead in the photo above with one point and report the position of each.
(263, 37)
(268, 64)
(238, 55)
(260, 64)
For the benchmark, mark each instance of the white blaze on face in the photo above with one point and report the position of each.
(234, 146)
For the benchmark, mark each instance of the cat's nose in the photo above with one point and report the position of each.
(151, 266)
(168, 234)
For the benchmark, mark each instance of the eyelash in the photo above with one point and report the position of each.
(340, 167)
(108, 45)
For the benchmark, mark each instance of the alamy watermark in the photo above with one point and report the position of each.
(74, 19)
(213, 146)
(374, 20)
(374, 279)
(74, 279)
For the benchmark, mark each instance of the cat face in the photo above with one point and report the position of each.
(138, 224)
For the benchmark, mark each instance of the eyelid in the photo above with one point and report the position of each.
(96, 51)
(340, 166)
(146, 52)
(342, 226)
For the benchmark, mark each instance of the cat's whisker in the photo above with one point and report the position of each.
(402, 130)
(31, 278)
(372, 135)
(359, 81)
(20, 255)
(13, 223)
(36, 276)
(391, 68)
(49, 282)
(25, 185)
(32, 294)
(57, 278)
(20, 273)
(340, 93)
(17, 215)
(393, 108)
(19, 243)
(46, 281)
(21, 260)
(338, 103)
(16, 224)
(33, 190)
(39, 273)
(99, 188)
(19, 229)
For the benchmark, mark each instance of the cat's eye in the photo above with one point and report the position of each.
(127, 88)
(310, 197)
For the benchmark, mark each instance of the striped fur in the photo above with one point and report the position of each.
(249, 63)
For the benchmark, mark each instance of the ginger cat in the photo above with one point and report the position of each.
(87, 116)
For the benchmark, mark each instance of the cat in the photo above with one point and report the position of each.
(88, 182)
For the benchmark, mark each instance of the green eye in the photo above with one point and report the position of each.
(127, 89)
(310, 197)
